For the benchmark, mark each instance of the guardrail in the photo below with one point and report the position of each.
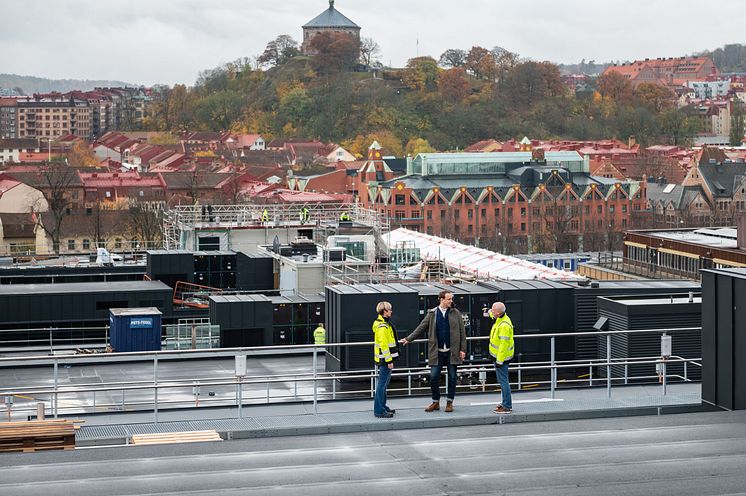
(314, 377)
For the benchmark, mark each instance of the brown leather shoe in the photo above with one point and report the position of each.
(449, 407)
(432, 407)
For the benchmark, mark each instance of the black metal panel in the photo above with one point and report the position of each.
(709, 337)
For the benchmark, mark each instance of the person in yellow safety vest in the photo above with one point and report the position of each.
(502, 348)
(305, 215)
(319, 335)
(385, 350)
(265, 216)
(345, 217)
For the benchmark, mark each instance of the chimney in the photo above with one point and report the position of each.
(631, 142)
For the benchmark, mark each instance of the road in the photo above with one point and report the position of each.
(702, 454)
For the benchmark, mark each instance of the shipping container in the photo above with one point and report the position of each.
(135, 329)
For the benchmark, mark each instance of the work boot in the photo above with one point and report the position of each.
(449, 407)
(433, 406)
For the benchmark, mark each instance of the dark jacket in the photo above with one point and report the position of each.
(458, 335)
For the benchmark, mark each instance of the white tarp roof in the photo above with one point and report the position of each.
(488, 264)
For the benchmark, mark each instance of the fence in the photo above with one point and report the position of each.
(259, 387)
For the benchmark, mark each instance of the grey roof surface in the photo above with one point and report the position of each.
(330, 18)
(83, 287)
(722, 178)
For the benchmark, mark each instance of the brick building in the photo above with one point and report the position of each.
(329, 21)
(512, 202)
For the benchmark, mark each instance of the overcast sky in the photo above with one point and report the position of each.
(171, 41)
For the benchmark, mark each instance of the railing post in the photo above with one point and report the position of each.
(519, 377)
(240, 398)
(54, 398)
(608, 365)
(553, 374)
(155, 388)
(664, 378)
(626, 374)
(315, 399)
(686, 378)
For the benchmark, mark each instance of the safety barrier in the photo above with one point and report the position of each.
(86, 393)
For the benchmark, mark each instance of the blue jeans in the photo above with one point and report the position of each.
(444, 358)
(379, 401)
(504, 379)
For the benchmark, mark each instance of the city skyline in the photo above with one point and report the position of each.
(171, 41)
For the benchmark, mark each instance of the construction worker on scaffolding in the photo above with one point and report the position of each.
(345, 217)
(305, 215)
(265, 215)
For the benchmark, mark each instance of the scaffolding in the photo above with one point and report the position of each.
(322, 218)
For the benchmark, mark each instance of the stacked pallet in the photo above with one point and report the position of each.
(37, 435)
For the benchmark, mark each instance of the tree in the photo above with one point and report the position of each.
(55, 183)
(179, 109)
(421, 74)
(615, 86)
(418, 145)
(505, 61)
(481, 63)
(453, 57)
(369, 51)
(453, 84)
(530, 82)
(279, 51)
(146, 225)
(219, 110)
(82, 156)
(737, 127)
(334, 52)
(654, 97)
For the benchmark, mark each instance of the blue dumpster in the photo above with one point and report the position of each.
(135, 329)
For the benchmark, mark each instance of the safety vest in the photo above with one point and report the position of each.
(501, 339)
(265, 216)
(385, 348)
(344, 217)
(319, 335)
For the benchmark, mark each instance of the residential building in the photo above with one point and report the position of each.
(8, 118)
(50, 118)
(17, 197)
(13, 150)
(708, 90)
(671, 71)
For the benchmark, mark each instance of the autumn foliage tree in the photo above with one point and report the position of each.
(453, 84)
(279, 51)
(421, 74)
(81, 155)
(616, 87)
(334, 52)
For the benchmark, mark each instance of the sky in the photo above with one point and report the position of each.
(171, 41)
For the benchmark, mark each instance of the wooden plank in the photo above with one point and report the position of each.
(37, 435)
(176, 437)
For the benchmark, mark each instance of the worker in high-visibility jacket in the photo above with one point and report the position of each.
(502, 348)
(345, 217)
(265, 215)
(319, 335)
(385, 351)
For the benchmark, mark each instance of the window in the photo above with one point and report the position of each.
(587, 210)
(470, 229)
(470, 214)
(611, 209)
(600, 209)
(523, 211)
(624, 209)
(71, 244)
(89, 210)
(118, 243)
(484, 213)
(442, 214)
(510, 213)
(457, 213)
(86, 244)
(523, 227)
(497, 213)
(400, 200)
(108, 194)
(429, 215)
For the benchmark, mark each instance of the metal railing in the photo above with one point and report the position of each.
(312, 380)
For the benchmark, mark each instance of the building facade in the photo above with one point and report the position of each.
(329, 21)
(51, 118)
(511, 202)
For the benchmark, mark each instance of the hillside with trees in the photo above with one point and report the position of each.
(446, 103)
